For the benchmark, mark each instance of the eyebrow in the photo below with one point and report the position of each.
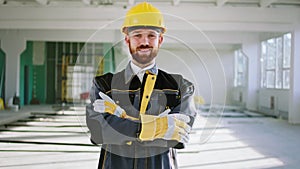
(150, 31)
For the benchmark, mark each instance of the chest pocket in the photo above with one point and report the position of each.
(128, 100)
(163, 99)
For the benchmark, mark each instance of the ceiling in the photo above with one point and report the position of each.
(217, 3)
(224, 22)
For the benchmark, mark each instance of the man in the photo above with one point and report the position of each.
(141, 114)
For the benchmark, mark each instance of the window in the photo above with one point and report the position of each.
(240, 68)
(275, 62)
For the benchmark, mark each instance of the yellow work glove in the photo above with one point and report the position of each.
(107, 105)
(165, 126)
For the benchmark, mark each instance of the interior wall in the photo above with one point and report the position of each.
(36, 77)
(39, 72)
(210, 71)
(227, 59)
(274, 102)
(25, 93)
(238, 96)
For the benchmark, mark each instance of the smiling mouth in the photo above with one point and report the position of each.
(145, 49)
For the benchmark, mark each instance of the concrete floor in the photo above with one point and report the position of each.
(59, 140)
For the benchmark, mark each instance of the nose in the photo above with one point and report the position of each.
(144, 40)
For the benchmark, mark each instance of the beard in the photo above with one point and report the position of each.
(143, 54)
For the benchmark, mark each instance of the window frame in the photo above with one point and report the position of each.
(240, 69)
(274, 70)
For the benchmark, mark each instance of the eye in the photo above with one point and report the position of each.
(137, 35)
(152, 36)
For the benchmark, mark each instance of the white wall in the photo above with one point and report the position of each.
(281, 102)
(209, 71)
(227, 58)
(238, 96)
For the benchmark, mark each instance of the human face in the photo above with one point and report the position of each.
(143, 45)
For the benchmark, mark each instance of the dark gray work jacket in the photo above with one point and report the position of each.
(121, 147)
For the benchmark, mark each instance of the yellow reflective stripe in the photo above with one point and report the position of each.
(122, 90)
(162, 90)
(149, 85)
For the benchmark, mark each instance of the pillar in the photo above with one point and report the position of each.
(251, 48)
(294, 96)
(13, 44)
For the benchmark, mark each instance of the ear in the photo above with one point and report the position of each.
(160, 40)
(127, 40)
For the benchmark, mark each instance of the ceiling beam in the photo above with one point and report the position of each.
(42, 2)
(106, 2)
(221, 2)
(130, 2)
(175, 2)
(207, 19)
(87, 2)
(2, 2)
(266, 3)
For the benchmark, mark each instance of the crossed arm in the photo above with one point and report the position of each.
(110, 124)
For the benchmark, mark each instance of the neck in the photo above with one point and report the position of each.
(142, 65)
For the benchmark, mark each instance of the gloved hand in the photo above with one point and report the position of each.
(107, 105)
(165, 126)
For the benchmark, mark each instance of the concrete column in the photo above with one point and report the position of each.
(294, 99)
(251, 49)
(13, 44)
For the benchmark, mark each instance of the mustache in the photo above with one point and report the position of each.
(144, 47)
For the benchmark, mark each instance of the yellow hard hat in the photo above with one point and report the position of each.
(144, 15)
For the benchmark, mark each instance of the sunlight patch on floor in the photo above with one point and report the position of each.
(221, 150)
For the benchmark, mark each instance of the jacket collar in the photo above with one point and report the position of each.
(129, 73)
